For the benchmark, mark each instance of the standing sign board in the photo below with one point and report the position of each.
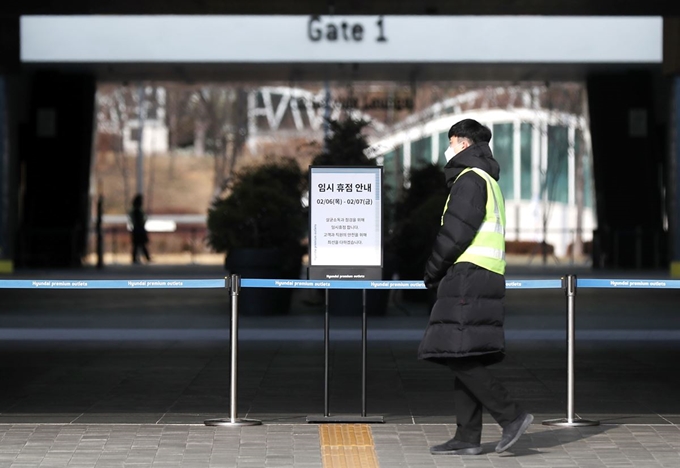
(345, 228)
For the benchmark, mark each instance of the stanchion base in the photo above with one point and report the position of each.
(321, 419)
(232, 423)
(576, 422)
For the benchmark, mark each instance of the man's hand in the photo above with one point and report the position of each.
(430, 283)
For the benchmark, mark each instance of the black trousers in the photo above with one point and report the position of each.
(476, 388)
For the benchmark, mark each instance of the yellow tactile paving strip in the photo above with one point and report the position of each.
(347, 446)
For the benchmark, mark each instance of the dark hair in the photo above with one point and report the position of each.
(137, 201)
(472, 130)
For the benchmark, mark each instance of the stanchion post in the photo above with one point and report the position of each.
(569, 285)
(234, 284)
(326, 360)
(364, 351)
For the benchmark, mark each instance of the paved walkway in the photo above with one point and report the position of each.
(297, 445)
(126, 379)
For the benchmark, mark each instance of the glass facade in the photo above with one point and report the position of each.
(393, 173)
(502, 141)
(526, 132)
(443, 145)
(546, 171)
(587, 170)
(553, 178)
(557, 173)
(421, 152)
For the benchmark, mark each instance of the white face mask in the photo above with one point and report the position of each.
(449, 153)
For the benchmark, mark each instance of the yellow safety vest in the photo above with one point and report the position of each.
(487, 249)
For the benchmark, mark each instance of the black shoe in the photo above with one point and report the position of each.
(456, 447)
(514, 431)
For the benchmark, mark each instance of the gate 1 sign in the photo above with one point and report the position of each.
(345, 222)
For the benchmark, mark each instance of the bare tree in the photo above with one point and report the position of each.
(220, 116)
(118, 110)
(178, 105)
(115, 108)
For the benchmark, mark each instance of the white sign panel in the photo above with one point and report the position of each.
(345, 216)
(333, 39)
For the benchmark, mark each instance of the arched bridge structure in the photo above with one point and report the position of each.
(544, 154)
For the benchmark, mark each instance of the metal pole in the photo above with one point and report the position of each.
(571, 335)
(100, 234)
(234, 285)
(233, 335)
(569, 283)
(326, 339)
(140, 147)
(363, 356)
(326, 417)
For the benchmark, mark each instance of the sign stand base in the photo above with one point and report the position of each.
(344, 418)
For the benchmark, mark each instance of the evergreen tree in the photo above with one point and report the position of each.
(344, 145)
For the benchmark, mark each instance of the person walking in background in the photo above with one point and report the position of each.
(139, 235)
(467, 267)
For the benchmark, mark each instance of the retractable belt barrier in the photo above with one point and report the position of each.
(315, 284)
(628, 284)
(568, 283)
(352, 284)
(113, 284)
(246, 283)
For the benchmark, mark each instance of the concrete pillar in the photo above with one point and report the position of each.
(54, 154)
(5, 261)
(674, 211)
(671, 66)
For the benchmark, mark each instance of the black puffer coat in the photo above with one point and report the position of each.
(467, 319)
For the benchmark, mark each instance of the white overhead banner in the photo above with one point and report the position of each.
(345, 227)
(332, 39)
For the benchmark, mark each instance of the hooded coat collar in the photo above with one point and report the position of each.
(478, 155)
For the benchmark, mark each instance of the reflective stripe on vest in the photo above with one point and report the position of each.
(487, 249)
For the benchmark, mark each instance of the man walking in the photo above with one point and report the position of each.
(467, 266)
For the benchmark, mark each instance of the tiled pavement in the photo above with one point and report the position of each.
(124, 392)
(159, 446)
(297, 445)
